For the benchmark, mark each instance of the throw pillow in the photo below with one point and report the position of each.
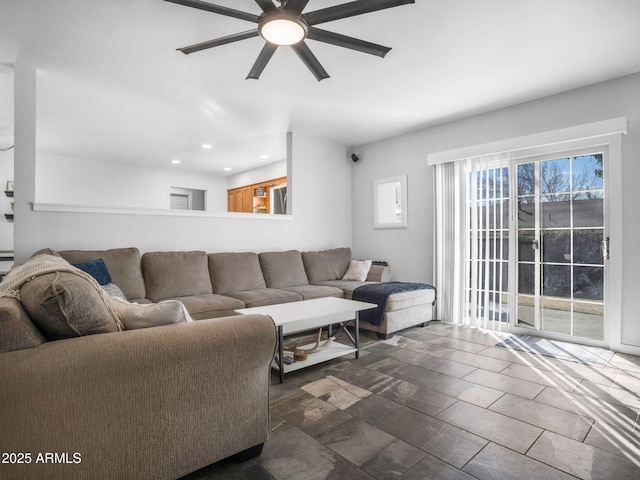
(358, 270)
(136, 316)
(113, 290)
(64, 305)
(97, 269)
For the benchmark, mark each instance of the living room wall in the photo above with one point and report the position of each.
(89, 182)
(321, 201)
(411, 251)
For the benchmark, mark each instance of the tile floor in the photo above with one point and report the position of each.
(444, 403)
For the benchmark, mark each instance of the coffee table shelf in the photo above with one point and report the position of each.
(308, 315)
(334, 350)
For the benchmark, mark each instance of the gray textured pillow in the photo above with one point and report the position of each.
(124, 266)
(283, 269)
(113, 290)
(232, 272)
(64, 305)
(175, 274)
(326, 264)
(136, 316)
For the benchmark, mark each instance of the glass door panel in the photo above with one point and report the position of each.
(560, 231)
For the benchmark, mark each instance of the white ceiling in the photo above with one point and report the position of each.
(112, 86)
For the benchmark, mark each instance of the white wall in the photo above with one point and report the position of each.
(321, 205)
(410, 251)
(88, 182)
(257, 175)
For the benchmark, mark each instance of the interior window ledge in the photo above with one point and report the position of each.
(61, 208)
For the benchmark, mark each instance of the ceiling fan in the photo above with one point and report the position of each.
(287, 25)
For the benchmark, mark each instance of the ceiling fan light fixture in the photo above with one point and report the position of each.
(283, 29)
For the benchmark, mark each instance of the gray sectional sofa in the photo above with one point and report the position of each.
(213, 285)
(165, 401)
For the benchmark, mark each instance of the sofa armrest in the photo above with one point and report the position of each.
(379, 273)
(151, 403)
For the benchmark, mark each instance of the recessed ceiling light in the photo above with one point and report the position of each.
(227, 169)
(264, 156)
(207, 146)
(175, 161)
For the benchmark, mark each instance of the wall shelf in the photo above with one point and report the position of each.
(8, 193)
(8, 216)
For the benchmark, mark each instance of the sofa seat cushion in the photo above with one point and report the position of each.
(402, 300)
(233, 272)
(18, 331)
(347, 286)
(309, 292)
(141, 301)
(175, 274)
(326, 264)
(123, 265)
(210, 305)
(265, 296)
(65, 305)
(283, 269)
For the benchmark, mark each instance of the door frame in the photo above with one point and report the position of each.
(611, 147)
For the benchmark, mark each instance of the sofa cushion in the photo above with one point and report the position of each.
(97, 269)
(265, 296)
(175, 274)
(232, 272)
(326, 264)
(166, 312)
(18, 331)
(347, 286)
(283, 269)
(64, 305)
(309, 292)
(123, 265)
(210, 305)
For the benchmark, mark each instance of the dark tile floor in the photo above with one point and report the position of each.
(444, 403)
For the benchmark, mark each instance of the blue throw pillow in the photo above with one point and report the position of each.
(97, 269)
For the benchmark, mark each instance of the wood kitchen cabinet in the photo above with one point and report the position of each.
(253, 198)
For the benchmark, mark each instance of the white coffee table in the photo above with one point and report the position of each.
(306, 315)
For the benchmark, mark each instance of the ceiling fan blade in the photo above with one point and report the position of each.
(219, 41)
(310, 60)
(263, 58)
(266, 5)
(229, 12)
(347, 42)
(295, 6)
(351, 9)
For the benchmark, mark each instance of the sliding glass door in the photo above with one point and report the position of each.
(560, 229)
(536, 243)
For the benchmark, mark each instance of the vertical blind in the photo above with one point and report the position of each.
(472, 249)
